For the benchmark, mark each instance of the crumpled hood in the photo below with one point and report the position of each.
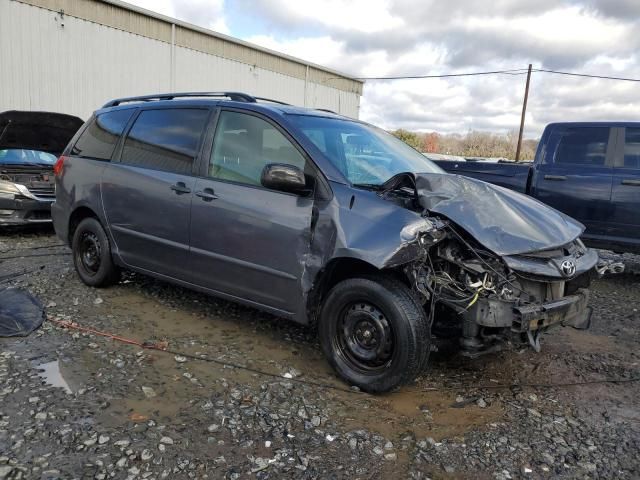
(42, 131)
(501, 220)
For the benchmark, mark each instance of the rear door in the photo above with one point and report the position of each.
(248, 241)
(576, 175)
(625, 198)
(147, 194)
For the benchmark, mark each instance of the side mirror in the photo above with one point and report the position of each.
(284, 178)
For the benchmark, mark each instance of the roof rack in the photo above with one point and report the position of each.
(234, 96)
(326, 110)
(271, 100)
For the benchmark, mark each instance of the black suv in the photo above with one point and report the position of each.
(320, 219)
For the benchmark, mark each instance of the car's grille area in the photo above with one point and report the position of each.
(39, 182)
(45, 192)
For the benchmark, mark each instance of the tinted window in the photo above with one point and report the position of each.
(583, 146)
(165, 139)
(100, 137)
(244, 144)
(632, 148)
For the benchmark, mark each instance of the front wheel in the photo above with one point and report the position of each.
(92, 254)
(374, 333)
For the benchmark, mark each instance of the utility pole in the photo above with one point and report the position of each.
(524, 111)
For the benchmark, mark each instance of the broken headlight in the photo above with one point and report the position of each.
(411, 232)
(8, 190)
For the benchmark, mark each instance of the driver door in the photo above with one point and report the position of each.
(247, 241)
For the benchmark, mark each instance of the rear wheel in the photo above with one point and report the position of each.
(92, 254)
(374, 333)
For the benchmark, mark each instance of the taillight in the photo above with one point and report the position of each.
(57, 168)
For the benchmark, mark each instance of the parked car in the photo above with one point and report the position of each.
(317, 218)
(590, 171)
(30, 143)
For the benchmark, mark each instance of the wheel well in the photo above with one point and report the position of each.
(337, 270)
(76, 217)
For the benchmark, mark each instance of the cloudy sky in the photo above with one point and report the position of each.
(368, 38)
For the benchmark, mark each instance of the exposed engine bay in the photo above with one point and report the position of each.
(486, 298)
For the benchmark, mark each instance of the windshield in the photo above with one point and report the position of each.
(363, 153)
(16, 156)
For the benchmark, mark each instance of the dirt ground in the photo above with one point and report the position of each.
(246, 395)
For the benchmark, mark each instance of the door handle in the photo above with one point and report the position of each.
(207, 194)
(635, 183)
(180, 188)
(558, 178)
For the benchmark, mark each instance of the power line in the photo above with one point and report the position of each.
(515, 71)
(573, 74)
(518, 71)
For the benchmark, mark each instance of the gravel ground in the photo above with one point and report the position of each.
(78, 405)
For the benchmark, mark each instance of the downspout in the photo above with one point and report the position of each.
(306, 81)
(172, 60)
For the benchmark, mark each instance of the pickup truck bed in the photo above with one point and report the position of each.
(511, 175)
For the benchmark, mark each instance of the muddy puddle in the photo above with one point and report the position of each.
(178, 386)
(51, 373)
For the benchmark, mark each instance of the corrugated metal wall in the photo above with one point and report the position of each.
(77, 67)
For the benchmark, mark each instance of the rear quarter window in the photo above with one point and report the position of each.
(631, 148)
(99, 139)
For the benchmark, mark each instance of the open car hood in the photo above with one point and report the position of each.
(504, 221)
(42, 131)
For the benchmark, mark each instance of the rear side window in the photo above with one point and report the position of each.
(583, 146)
(632, 148)
(99, 139)
(165, 140)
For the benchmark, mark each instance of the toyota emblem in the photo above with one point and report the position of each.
(568, 268)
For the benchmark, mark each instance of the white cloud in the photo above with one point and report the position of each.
(412, 37)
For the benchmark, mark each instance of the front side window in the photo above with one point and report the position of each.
(99, 139)
(583, 146)
(632, 148)
(245, 144)
(363, 153)
(165, 140)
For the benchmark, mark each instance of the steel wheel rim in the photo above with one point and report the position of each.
(89, 253)
(364, 338)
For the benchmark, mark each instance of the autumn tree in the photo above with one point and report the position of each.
(410, 138)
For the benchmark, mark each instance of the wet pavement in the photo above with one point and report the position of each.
(246, 395)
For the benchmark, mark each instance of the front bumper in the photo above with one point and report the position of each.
(24, 211)
(495, 313)
(572, 310)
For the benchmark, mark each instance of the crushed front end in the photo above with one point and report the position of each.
(488, 299)
(493, 264)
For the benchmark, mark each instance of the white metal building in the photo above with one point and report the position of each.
(71, 56)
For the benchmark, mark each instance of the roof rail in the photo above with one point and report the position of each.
(235, 96)
(326, 110)
(271, 100)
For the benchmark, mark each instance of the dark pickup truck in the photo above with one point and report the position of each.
(589, 171)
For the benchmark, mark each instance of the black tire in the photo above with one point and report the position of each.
(359, 309)
(92, 254)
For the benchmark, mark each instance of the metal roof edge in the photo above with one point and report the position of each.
(228, 38)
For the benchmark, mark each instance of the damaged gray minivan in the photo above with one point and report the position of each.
(320, 219)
